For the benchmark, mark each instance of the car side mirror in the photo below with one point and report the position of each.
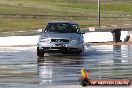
(44, 31)
(79, 32)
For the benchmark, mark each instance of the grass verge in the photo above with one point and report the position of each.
(120, 13)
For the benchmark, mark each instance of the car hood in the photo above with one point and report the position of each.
(61, 35)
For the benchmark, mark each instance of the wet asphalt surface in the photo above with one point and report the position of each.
(20, 67)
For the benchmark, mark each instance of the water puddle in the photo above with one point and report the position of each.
(20, 65)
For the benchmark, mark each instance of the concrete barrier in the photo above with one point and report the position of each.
(18, 40)
(102, 36)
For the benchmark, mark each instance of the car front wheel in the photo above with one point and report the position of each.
(40, 53)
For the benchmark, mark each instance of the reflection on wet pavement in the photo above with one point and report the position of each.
(18, 65)
(21, 65)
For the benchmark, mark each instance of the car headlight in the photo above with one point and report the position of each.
(44, 40)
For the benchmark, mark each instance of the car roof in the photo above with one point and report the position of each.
(58, 22)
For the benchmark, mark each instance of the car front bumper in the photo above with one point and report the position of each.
(61, 47)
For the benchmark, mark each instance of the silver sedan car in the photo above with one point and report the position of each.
(60, 37)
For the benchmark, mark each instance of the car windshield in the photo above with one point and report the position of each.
(62, 28)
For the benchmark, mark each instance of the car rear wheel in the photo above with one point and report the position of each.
(40, 53)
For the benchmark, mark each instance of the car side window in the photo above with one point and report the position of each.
(75, 28)
(47, 28)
